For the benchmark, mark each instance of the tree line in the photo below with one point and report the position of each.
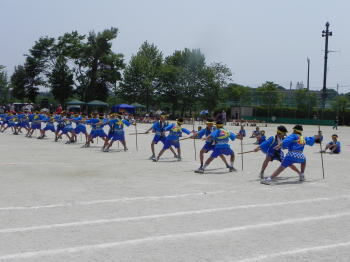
(85, 67)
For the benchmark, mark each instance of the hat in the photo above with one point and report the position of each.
(219, 123)
(209, 121)
(282, 129)
(298, 129)
(180, 121)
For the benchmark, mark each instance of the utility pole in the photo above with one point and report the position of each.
(308, 74)
(325, 33)
(338, 105)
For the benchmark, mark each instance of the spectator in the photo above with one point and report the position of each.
(59, 109)
(224, 117)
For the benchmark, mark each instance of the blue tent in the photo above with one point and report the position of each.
(122, 108)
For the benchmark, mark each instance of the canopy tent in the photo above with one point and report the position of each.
(97, 103)
(122, 108)
(137, 105)
(75, 102)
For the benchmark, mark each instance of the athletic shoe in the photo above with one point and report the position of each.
(199, 170)
(302, 178)
(266, 181)
(154, 159)
(232, 169)
(179, 158)
(151, 157)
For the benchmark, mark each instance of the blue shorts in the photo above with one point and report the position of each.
(67, 130)
(60, 128)
(293, 157)
(169, 143)
(24, 124)
(118, 136)
(11, 124)
(97, 133)
(80, 129)
(221, 151)
(36, 126)
(208, 147)
(50, 127)
(157, 138)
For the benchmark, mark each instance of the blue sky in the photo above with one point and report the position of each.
(259, 40)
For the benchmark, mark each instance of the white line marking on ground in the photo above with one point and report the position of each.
(157, 216)
(77, 249)
(294, 252)
(124, 199)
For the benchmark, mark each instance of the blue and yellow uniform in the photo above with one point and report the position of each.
(97, 127)
(221, 138)
(159, 129)
(68, 128)
(49, 124)
(23, 120)
(36, 121)
(268, 147)
(80, 126)
(60, 123)
(175, 132)
(209, 143)
(117, 126)
(295, 144)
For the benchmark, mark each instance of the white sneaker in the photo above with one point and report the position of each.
(179, 158)
(151, 157)
(266, 181)
(155, 159)
(302, 178)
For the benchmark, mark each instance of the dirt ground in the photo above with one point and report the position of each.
(66, 203)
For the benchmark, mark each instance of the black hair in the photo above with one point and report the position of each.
(282, 129)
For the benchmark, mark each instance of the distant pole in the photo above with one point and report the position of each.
(308, 74)
(325, 33)
(338, 105)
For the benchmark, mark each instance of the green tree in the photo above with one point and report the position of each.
(19, 82)
(4, 86)
(270, 95)
(238, 94)
(168, 89)
(340, 104)
(216, 77)
(305, 101)
(186, 69)
(61, 80)
(97, 69)
(100, 68)
(141, 76)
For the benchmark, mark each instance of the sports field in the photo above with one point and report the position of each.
(66, 203)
